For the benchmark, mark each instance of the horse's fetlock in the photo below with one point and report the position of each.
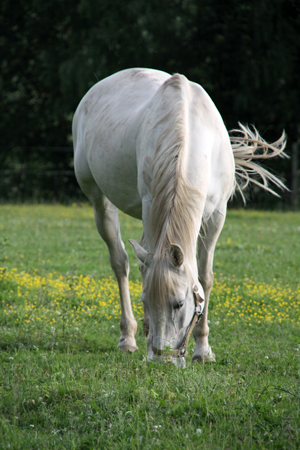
(201, 334)
(128, 327)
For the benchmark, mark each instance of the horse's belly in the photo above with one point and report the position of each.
(115, 174)
(125, 200)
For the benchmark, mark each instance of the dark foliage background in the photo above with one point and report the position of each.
(245, 54)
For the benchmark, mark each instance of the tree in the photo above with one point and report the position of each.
(245, 54)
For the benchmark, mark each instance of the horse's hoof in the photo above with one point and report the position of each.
(127, 345)
(202, 358)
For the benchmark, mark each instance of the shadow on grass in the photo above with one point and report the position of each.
(68, 344)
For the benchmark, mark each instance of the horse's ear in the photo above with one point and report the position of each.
(176, 255)
(142, 255)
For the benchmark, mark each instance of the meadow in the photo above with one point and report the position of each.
(63, 384)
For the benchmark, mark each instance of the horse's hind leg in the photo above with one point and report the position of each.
(107, 222)
(206, 246)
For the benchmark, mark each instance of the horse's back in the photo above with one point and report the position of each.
(117, 99)
(105, 127)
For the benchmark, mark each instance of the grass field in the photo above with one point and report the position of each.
(63, 384)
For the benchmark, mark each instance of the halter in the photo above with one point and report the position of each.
(181, 350)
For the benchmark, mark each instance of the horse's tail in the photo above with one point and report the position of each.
(247, 146)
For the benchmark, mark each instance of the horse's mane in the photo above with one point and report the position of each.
(176, 205)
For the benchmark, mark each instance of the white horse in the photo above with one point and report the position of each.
(155, 146)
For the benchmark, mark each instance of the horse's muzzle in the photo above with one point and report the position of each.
(166, 356)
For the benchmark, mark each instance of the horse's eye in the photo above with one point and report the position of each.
(178, 305)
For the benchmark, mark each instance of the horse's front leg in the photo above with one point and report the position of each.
(107, 222)
(206, 246)
(143, 268)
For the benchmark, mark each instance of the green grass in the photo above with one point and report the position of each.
(63, 384)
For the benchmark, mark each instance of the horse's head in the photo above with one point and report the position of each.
(169, 289)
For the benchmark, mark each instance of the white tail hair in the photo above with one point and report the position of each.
(248, 145)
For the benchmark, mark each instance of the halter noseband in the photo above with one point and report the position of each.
(181, 350)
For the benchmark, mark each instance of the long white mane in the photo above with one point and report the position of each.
(176, 205)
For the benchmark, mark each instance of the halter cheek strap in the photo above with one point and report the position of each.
(181, 351)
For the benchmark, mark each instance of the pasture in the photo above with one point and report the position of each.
(65, 386)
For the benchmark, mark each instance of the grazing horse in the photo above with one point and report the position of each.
(155, 146)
